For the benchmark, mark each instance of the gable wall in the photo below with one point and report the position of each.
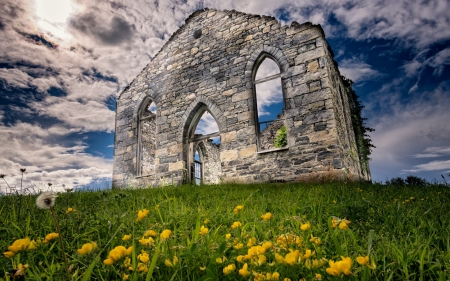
(216, 70)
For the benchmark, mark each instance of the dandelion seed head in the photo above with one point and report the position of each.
(46, 200)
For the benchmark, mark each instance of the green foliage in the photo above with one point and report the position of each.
(403, 230)
(363, 140)
(281, 138)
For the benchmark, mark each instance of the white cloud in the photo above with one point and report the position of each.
(431, 152)
(206, 125)
(409, 128)
(431, 166)
(357, 70)
(37, 149)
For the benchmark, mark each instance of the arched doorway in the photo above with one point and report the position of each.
(204, 164)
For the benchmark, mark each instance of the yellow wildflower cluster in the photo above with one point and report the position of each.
(87, 248)
(21, 245)
(117, 253)
(236, 224)
(267, 216)
(238, 209)
(342, 223)
(229, 269)
(305, 226)
(340, 267)
(365, 261)
(147, 241)
(142, 214)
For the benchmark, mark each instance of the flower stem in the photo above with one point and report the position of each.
(61, 242)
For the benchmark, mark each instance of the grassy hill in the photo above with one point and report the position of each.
(314, 231)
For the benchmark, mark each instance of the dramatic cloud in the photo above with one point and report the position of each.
(114, 32)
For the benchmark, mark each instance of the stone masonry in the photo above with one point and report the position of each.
(209, 64)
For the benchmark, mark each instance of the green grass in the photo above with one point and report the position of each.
(405, 231)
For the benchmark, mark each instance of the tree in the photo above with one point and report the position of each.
(363, 140)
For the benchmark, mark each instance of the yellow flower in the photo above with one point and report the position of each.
(334, 222)
(267, 245)
(267, 216)
(20, 245)
(339, 267)
(206, 221)
(20, 271)
(238, 246)
(87, 248)
(203, 230)
(143, 257)
(172, 263)
(9, 254)
(286, 279)
(117, 253)
(33, 245)
(142, 267)
(108, 261)
(142, 214)
(165, 234)
(228, 236)
(260, 260)
(343, 225)
(251, 242)
(236, 224)
(238, 209)
(50, 237)
(71, 210)
(279, 258)
(126, 237)
(244, 271)
(362, 260)
(202, 268)
(315, 240)
(219, 260)
(228, 269)
(146, 241)
(305, 226)
(318, 276)
(151, 233)
(308, 254)
(240, 258)
(127, 262)
(125, 277)
(275, 276)
(292, 257)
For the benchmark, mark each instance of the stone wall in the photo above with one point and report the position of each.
(210, 61)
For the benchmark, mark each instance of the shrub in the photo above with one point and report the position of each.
(281, 138)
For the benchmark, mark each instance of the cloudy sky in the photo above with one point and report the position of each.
(64, 62)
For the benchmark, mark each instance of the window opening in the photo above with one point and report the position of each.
(146, 140)
(204, 149)
(271, 127)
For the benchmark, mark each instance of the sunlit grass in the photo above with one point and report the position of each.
(310, 231)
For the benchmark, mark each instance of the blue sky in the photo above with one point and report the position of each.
(64, 62)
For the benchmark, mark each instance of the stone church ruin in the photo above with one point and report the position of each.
(235, 97)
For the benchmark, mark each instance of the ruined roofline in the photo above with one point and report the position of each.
(191, 17)
(195, 14)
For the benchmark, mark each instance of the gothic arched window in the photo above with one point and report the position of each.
(145, 164)
(269, 105)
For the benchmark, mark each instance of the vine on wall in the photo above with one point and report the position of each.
(363, 140)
